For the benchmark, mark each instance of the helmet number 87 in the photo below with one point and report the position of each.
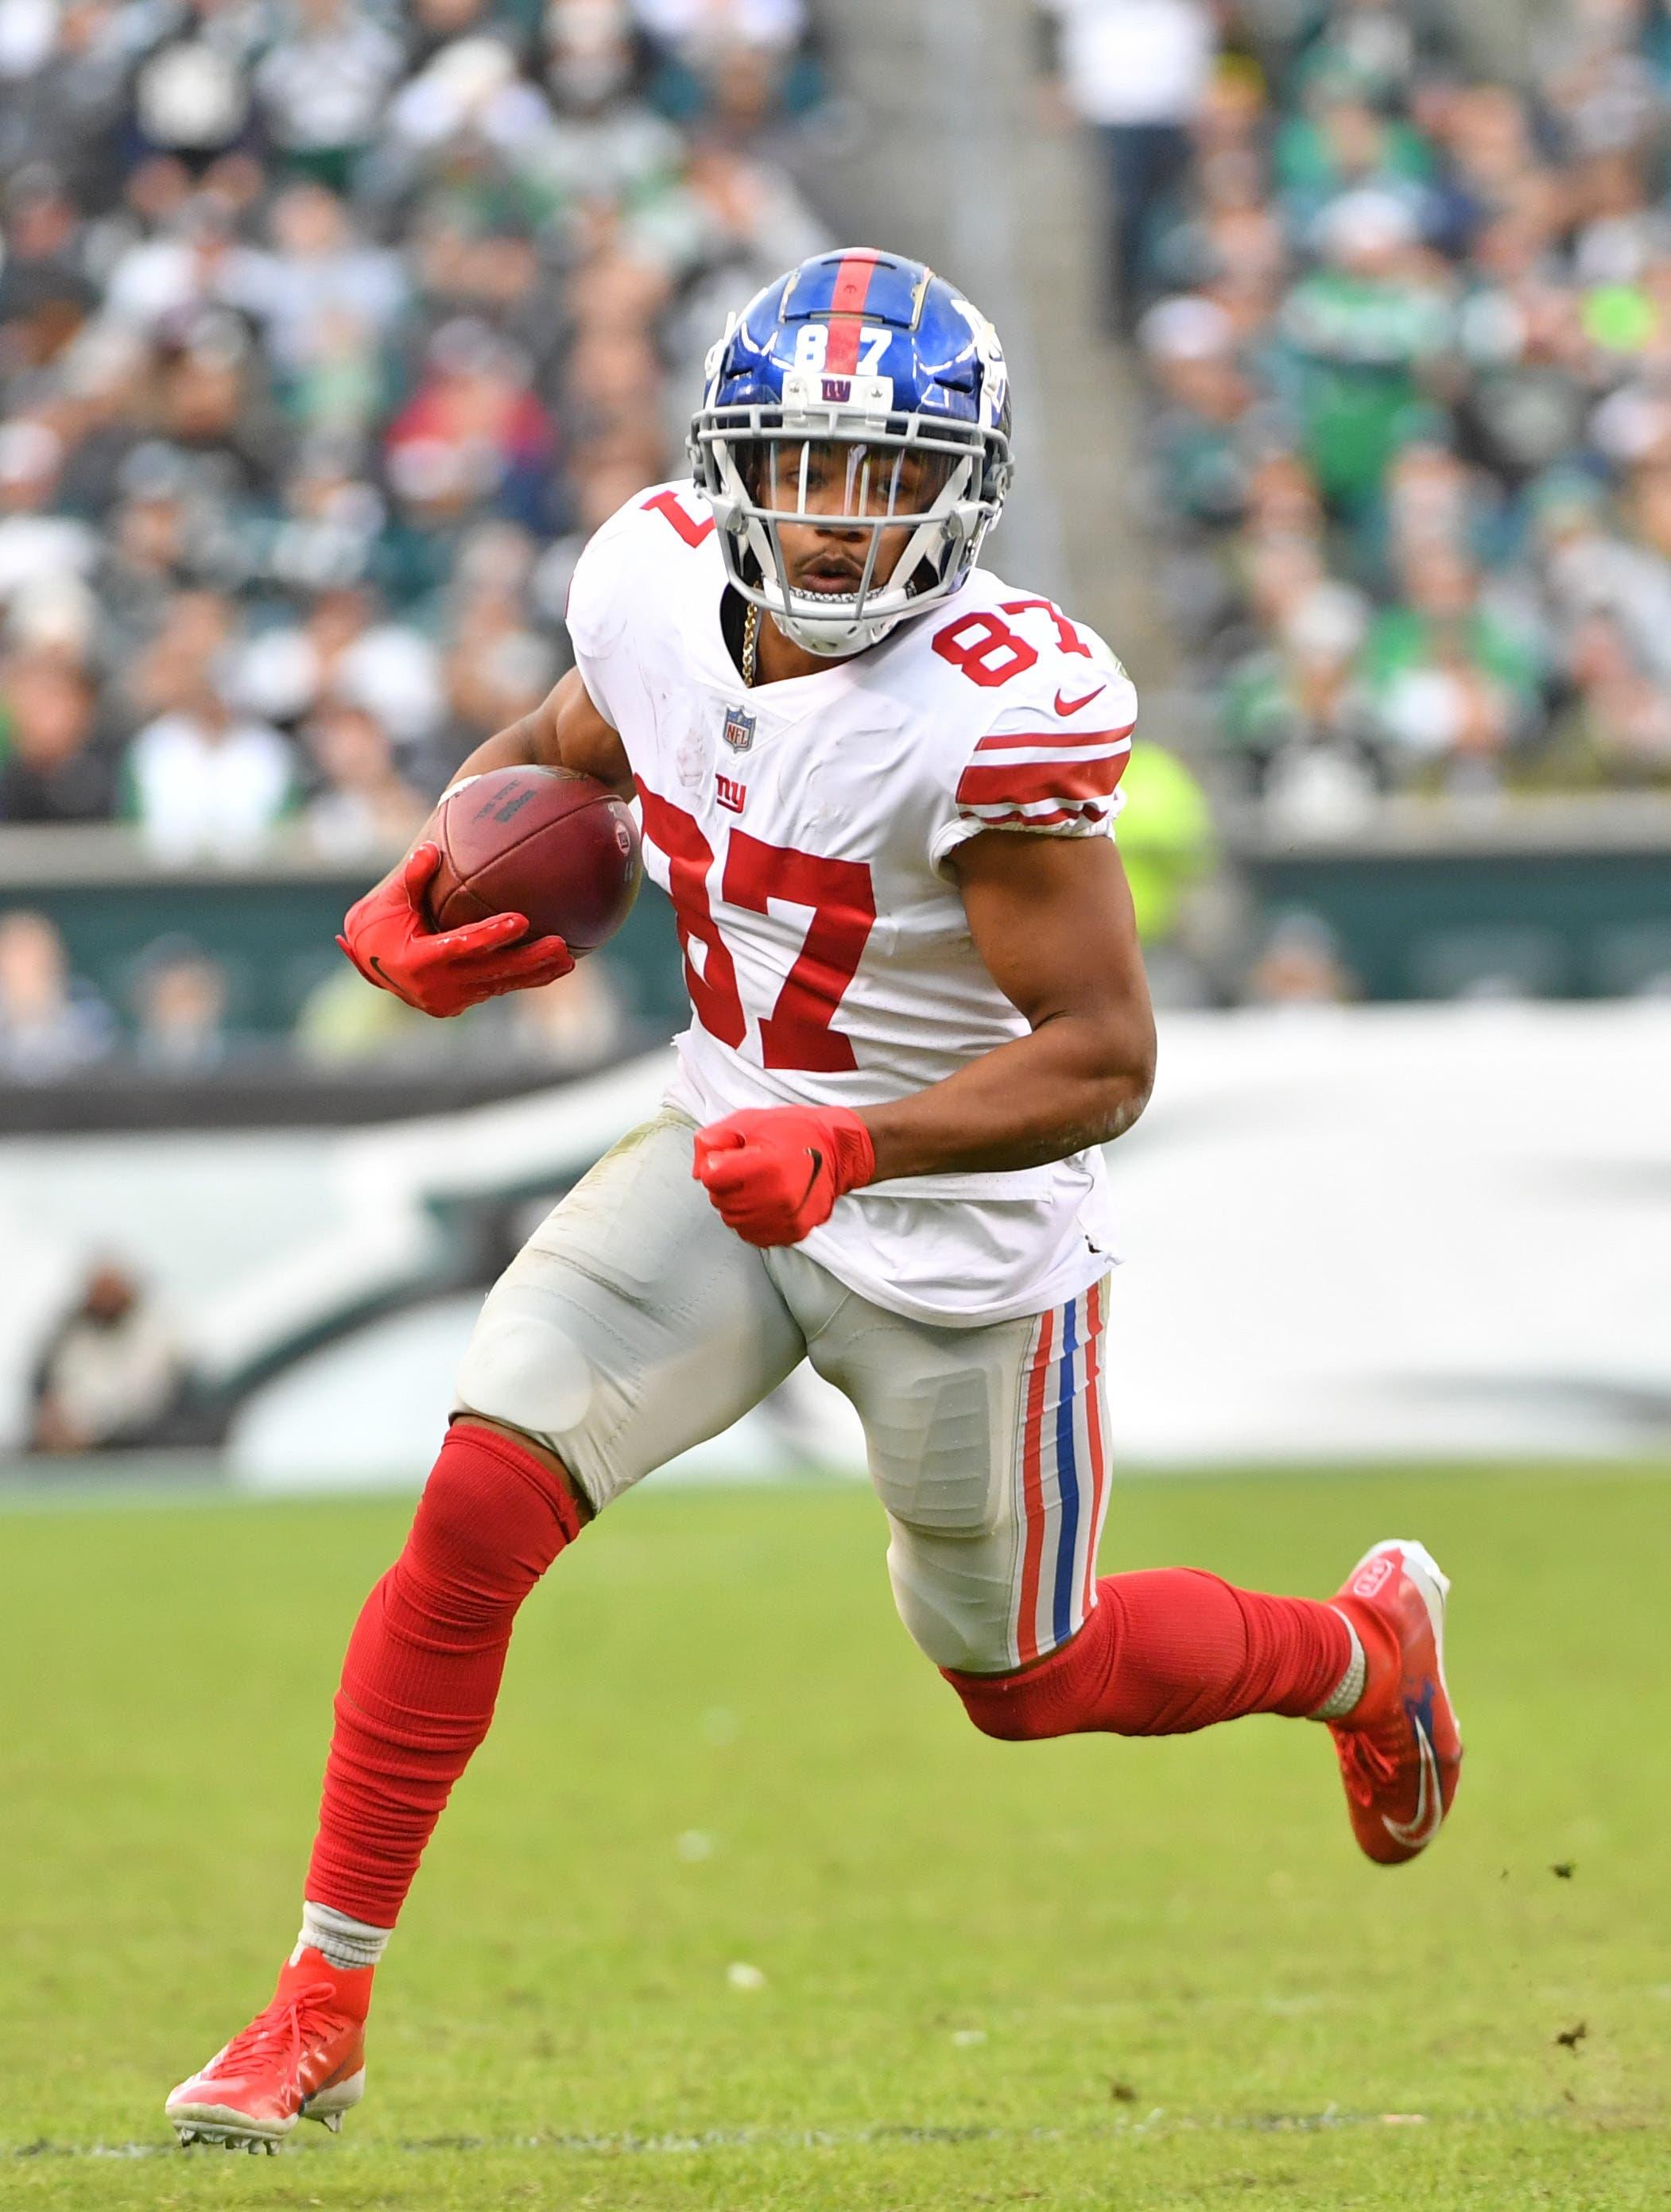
(812, 347)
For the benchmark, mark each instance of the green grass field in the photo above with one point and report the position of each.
(1079, 1974)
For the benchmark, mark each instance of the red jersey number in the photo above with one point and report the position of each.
(693, 530)
(989, 652)
(1067, 638)
(713, 986)
(800, 1032)
(986, 650)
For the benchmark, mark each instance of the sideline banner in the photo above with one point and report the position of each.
(1358, 1232)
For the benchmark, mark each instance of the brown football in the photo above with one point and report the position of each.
(549, 843)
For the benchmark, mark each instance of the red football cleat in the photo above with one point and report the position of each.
(1400, 1749)
(304, 2057)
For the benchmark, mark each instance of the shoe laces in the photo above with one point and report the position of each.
(282, 2030)
(1367, 1768)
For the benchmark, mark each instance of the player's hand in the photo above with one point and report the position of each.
(389, 938)
(775, 1172)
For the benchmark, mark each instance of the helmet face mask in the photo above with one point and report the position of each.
(897, 508)
(848, 502)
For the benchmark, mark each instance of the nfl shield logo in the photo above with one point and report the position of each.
(739, 729)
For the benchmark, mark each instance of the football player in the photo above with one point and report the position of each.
(879, 784)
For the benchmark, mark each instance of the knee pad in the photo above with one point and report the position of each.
(956, 1624)
(952, 1589)
(1058, 1697)
(522, 1365)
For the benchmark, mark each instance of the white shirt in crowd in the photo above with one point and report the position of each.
(202, 791)
(771, 23)
(107, 1379)
(1135, 61)
(326, 87)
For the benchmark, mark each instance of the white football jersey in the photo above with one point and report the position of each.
(802, 830)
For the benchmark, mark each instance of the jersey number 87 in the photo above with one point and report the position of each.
(799, 1032)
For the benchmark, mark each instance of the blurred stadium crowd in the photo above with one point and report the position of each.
(1407, 336)
(328, 330)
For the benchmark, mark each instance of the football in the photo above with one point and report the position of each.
(549, 843)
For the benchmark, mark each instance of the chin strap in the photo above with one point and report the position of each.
(814, 637)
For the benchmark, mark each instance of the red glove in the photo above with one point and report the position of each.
(775, 1172)
(390, 939)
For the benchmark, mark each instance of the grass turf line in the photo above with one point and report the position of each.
(1078, 1974)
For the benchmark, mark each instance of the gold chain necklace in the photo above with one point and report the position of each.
(751, 646)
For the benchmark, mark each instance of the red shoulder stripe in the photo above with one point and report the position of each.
(1004, 740)
(1019, 782)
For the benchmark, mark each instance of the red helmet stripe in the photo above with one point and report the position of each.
(846, 309)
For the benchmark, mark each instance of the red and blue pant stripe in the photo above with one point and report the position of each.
(1061, 1474)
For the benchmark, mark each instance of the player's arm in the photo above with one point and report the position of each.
(564, 730)
(388, 934)
(1052, 920)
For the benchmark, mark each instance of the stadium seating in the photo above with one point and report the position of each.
(329, 328)
(1406, 335)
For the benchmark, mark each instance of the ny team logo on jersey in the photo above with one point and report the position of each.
(739, 729)
(730, 793)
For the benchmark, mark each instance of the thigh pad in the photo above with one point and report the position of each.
(632, 1323)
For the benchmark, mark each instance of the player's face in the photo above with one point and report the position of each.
(853, 485)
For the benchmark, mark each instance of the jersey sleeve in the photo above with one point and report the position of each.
(595, 614)
(612, 579)
(1050, 760)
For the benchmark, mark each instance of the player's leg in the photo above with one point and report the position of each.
(631, 1325)
(988, 1447)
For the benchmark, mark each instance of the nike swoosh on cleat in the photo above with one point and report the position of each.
(1072, 705)
(1416, 1834)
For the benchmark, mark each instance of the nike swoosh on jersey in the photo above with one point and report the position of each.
(1430, 1800)
(1072, 705)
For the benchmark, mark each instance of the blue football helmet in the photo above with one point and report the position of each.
(861, 388)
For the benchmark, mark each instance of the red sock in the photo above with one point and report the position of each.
(1166, 1652)
(424, 1661)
